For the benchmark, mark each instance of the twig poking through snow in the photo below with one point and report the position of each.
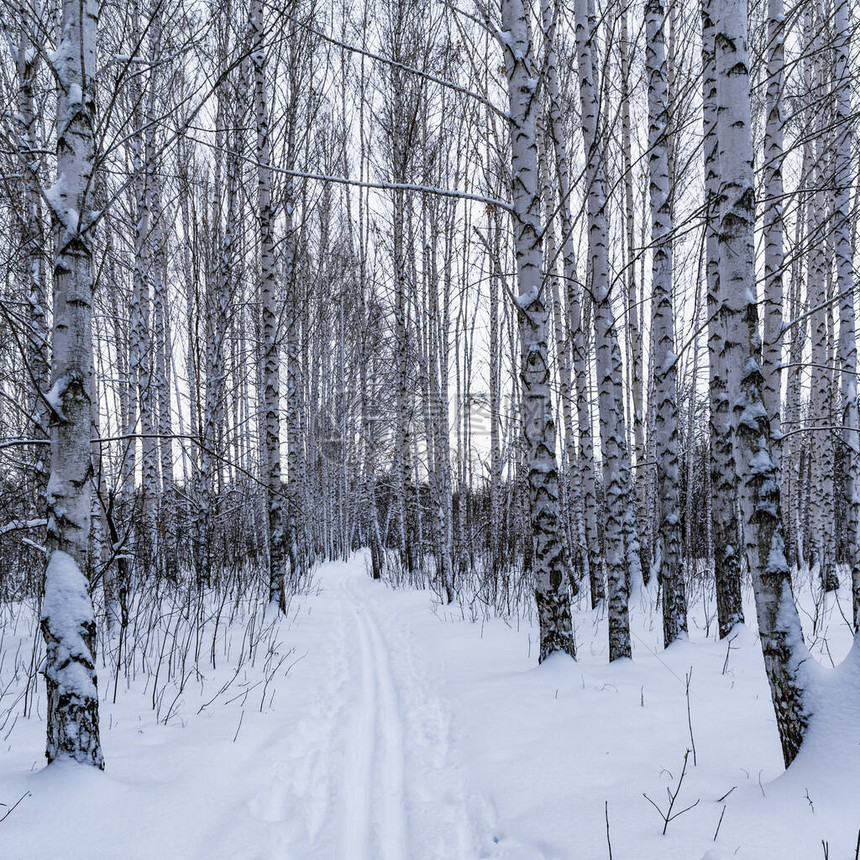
(719, 823)
(673, 796)
(608, 841)
(721, 799)
(14, 806)
(729, 650)
(238, 728)
(688, 677)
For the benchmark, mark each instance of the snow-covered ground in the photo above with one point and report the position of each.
(376, 723)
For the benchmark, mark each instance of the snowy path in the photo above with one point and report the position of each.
(373, 784)
(407, 730)
(369, 770)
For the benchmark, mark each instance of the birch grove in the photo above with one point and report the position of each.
(549, 307)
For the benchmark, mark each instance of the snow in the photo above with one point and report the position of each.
(68, 607)
(524, 300)
(56, 393)
(402, 729)
(75, 96)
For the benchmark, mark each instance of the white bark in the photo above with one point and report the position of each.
(664, 361)
(158, 456)
(67, 614)
(553, 603)
(778, 621)
(563, 370)
(269, 307)
(724, 522)
(613, 436)
(31, 266)
(585, 479)
(634, 332)
(774, 258)
(845, 284)
(822, 518)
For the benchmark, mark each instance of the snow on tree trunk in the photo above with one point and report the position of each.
(664, 361)
(613, 436)
(67, 613)
(724, 521)
(269, 308)
(845, 289)
(553, 603)
(755, 472)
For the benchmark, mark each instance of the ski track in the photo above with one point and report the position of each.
(374, 782)
(370, 765)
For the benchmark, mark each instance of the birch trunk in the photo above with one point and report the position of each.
(440, 324)
(402, 441)
(634, 332)
(664, 361)
(67, 614)
(821, 556)
(31, 267)
(553, 603)
(145, 267)
(793, 450)
(774, 258)
(297, 534)
(496, 502)
(778, 621)
(592, 560)
(616, 463)
(269, 307)
(216, 302)
(562, 367)
(724, 521)
(161, 451)
(845, 288)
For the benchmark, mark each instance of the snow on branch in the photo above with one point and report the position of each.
(22, 525)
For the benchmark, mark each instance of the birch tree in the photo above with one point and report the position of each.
(724, 522)
(664, 359)
(613, 436)
(754, 469)
(822, 513)
(845, 284)
(31, 266)
(774, 258)
(585, 471)
(67, 619)
(271, 381)
(556, 633)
